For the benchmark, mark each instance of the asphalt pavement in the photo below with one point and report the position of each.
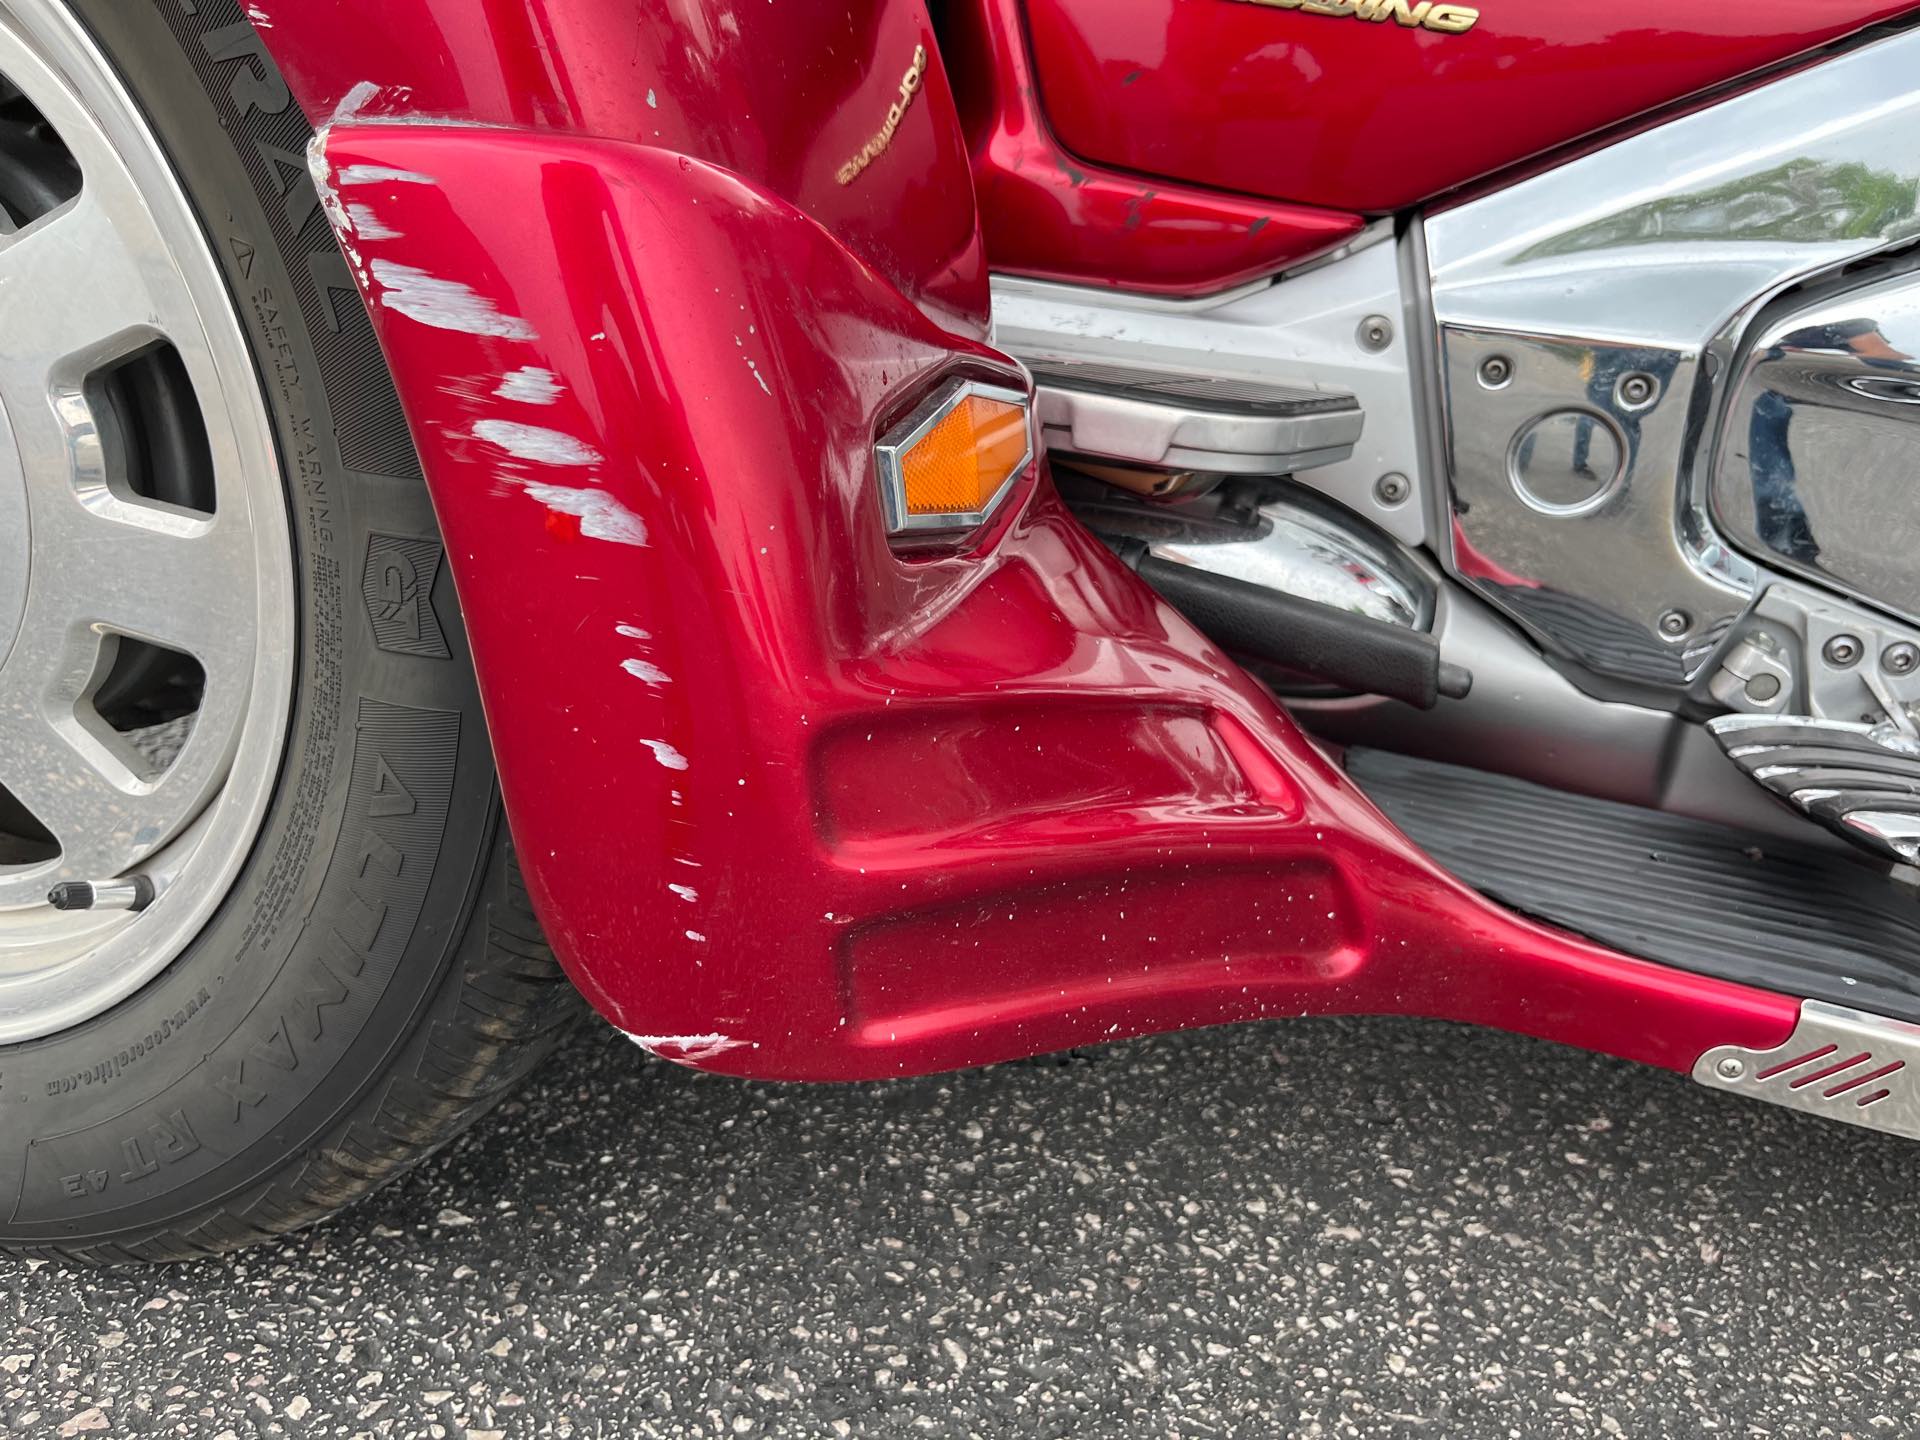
(1303, 1228)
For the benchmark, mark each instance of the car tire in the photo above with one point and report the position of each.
(374, 979)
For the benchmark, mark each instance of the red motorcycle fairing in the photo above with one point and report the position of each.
(785, 95)
(1051, 217)
(791, 803)
(1339, 111)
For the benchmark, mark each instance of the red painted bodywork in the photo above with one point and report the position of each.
(791, 803)
(1054, 217)
(1350, 115)
(782, 94)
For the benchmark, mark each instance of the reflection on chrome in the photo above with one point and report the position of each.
(1653, 256)
(1819, 454)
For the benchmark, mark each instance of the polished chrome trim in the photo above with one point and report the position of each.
(1311, 555)
(1178, 422)
(902, 438)
(1820, 446)
(1843, 1064)
(1664, 237)
(1651, 256)
(1859, 779)
(1281, 537)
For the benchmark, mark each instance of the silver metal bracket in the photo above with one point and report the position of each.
(1844, 1064)
(1187, 422)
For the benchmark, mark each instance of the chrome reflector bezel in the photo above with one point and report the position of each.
(893, 446)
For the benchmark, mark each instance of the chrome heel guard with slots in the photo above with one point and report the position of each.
(1844, 1064)
(1862, 781)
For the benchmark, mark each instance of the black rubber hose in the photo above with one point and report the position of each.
(1367, 656)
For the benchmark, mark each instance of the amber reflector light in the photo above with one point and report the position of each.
(948, 464)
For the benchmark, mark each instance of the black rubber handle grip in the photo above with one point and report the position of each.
(1352, 651)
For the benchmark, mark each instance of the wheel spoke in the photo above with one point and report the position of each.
(61, 775)
(69, 284)
(152, 575)
(149, 573)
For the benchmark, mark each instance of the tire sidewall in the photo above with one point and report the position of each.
(329, 951)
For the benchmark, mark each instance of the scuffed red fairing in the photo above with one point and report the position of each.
(790, 802)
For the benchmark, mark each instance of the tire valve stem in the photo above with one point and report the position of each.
(133, 893)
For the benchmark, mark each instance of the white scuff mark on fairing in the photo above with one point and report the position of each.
(261, 20)
(695, 935)
(633, 632)
(601, 516)
(686, 893)
(444, 304)
(530, 385)
(690, 1049)
(380, 174)
(535, 442)
(329, 201)
(669, 757)
(652, 102)
(354, 101)
(641, 670)
(369, 226)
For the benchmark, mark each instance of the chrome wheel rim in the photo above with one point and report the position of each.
(135, 549)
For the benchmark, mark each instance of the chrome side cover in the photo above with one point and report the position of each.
(1844, 1064)
(1820, 449)
(1582, 314)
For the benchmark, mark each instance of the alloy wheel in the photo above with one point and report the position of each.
(147, 613)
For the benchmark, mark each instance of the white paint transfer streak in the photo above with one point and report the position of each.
(686, 893)
(535, 442)
(530, 385)
(323, 185)
(641, 670)
(671, 758)
(378, 174)
(632, 632)
(695, 935)
(689, 1049)
(259, 17)
(354, 101)
(601, 516)
(445, 304)
(369, 226)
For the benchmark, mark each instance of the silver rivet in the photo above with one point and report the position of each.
(1392, 489)
(1675, 623)
(1376, 332)
(1731, 1068)
(1763, 689)
(1637, 390)
(1900, 659)
(1842, 650)
(1495, 371)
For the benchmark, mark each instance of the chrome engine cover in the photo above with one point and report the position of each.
(1818, 468)
(1588, 319)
